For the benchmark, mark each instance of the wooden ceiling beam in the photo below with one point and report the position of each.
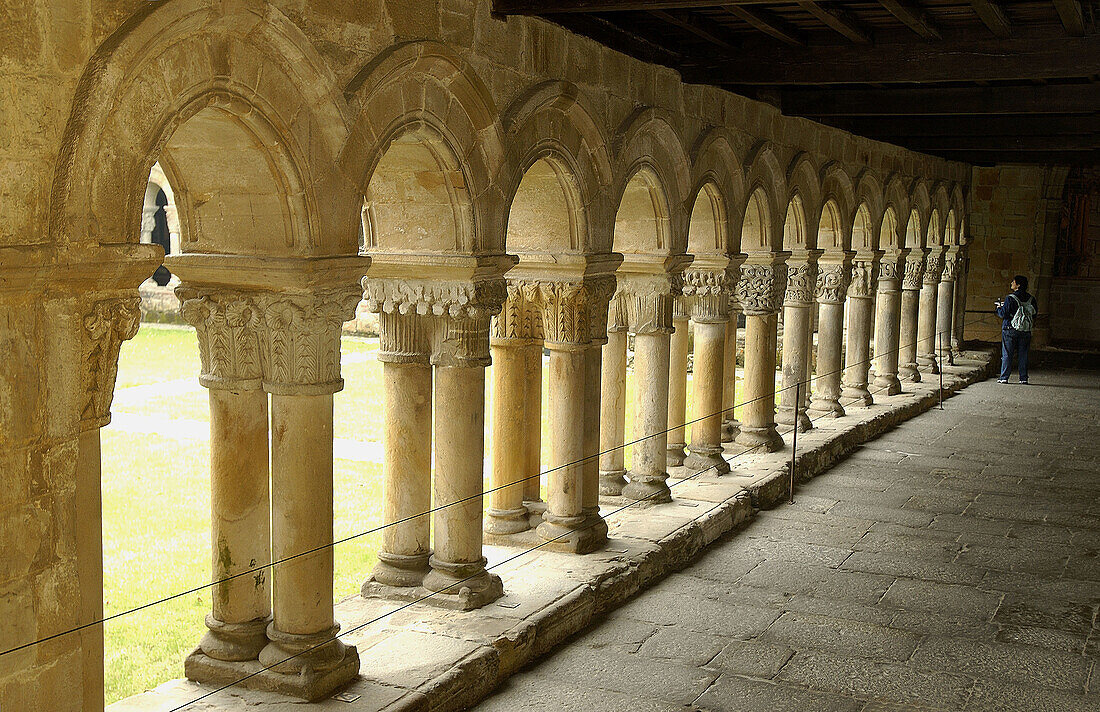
(552, 7)
(913, 17)
(1073, 17)
(993, 16)
(965, 60)
(1033, 125)
(767, 23)
(617, 38)
(838, 20)
(988, 158)
(998, 143)
(709, 34)
(948, 101)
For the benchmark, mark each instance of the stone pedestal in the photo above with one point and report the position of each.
(613, 414)
(926, 326)
(759, 291)
(888, 326)
(861, 312)
(677, 388)
(832, 285)
(910, 299)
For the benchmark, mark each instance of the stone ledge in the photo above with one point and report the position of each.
(422, 659)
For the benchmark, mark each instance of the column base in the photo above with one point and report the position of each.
(507, 521)
(675, 455)
(928, 364)
(536, 508)
(576, 535)
(612, 482)
(398, 570)
(826, 408)
(857, 396)
(786, 416)
(766, 439)
(730, 429)
(647, 490)
(309, 684)
(890, 384)
(909, 373)
(462, 586)
(233, 642)
(707, 458)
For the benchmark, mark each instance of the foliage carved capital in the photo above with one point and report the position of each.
(106, 324)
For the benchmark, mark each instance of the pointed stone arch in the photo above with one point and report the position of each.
(765, 183)
(868, 211)
(896, 208)
(715, 163)
(804, 198)
(838, 205)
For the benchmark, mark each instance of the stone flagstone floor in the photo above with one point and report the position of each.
(951, 564)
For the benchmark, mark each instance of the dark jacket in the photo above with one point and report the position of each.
(1012, 302)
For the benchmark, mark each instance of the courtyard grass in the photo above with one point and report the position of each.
(156, 499)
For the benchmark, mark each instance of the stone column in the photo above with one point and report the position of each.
(962, 269)
(887, 325)
(532, 419)
(832, 284)
(730, 424)
(106, 324)
(300, 352)
(760, 287)
(926, 326)
(945, 308)
(797, 337)
(226, 323)
(706, 289)
(910, 298)
(861, 309)
(677, 386)
(613, 412)
(593, 360)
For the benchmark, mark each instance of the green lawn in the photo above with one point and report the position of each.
(156, 500)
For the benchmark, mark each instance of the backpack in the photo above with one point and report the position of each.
(1024, 316)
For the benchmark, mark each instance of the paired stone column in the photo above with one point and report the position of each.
(798, 321)
(910, 298)
(706, 289)
(945, 308)
(833, 276)
(680, 341)
(442, 322)
(647, 290)
(760, 288)
(861, 309)
(926, 327)
(730, 424)
(613, 411)
(507, 513)
(888, 323)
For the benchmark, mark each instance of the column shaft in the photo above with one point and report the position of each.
(593, 360)
(887, 328)
(926, 328)
(708, 383)
(651, 368)
(758, 416)
(406, 474)
(730, 424)
(457, 566)
(89, 552)
(240, 524)
(857, 352)
(507, 514)
(797, 328)
(532, 426)
(830, 345)
(907, 348)
(613, 414)
(945, 309)
(677, 392)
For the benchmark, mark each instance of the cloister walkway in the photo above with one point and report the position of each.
(952, 564)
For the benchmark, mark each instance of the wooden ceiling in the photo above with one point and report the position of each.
(982, 81)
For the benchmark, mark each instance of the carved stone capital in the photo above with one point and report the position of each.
(707, 294)
(890, 272)
(933, 268)
(832, 282)
(801, 280)
(761, 287)
(863, 279)
(478, 299)
(107, 324)
(914, 271)
(950, 263)
(226, 323)
(299, 335)
(644, 303)
(519, 317)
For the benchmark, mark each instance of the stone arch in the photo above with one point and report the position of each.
(764, 183)
(263, 144)
(958, 206)
(838, 196)
(649, 148)
(708, 225)
(933, 237)
(921, 203)
(869, 208)
(424, 100)
(643, 224)
(804, 197)
(552, 127)
(896, 207)
(715, 163)
(951, 228)
(864, 232)
(889, 236)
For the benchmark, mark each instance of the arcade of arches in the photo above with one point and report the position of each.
(509, 201)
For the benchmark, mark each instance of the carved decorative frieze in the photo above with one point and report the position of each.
(801, 280)
(226, 324)
(107, 324)
(645, 303)
(832, 283)
(458, 300)
(914, 271)
(707, 294)
(863, 279)
(933, 268)
(761, 287)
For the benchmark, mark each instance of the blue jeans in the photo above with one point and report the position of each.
(1018, 343)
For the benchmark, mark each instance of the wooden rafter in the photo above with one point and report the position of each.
(826, 103)
(768, 23)
(710, 34)
(837, 20)
(913, 17)
(1073, 17)
(993, 17)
